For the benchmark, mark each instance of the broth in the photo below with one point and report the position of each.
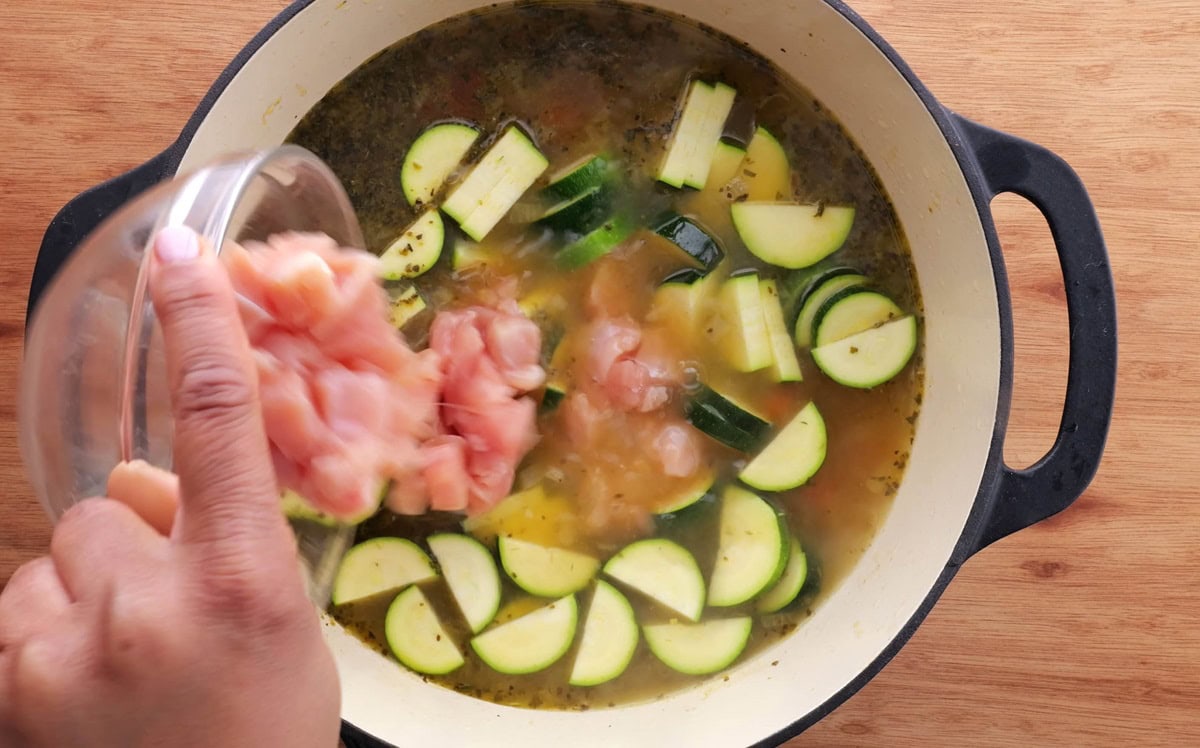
(580, 80)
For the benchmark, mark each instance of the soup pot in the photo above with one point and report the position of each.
(957, 495)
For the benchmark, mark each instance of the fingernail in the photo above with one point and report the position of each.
(176, 244)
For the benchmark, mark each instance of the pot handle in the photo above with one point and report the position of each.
(1010, 164)
(352, 737)
(83, 213)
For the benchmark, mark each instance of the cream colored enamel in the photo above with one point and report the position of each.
(961, 340)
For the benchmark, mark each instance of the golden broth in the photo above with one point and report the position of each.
(607, 78)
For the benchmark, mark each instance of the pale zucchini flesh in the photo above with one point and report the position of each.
(727, 159)
(416, 250)
(739, 327)
(787, 589)
(495, 184)
(470, 573)
(695, 136)
(533, 642)
(871, 357)
(766, 171)
(785, 364)
(720, 102)
(792, 235)
(432, 158)
(609, 638)
(380, 565)
(405, 306)
(662, 570)
(546, 571)
(815, 299)
(699, 648)
(850, 312)
(750, 549)
(417, 637)
(467, 255)
(521, 515)
(792, 457)
(763, 172)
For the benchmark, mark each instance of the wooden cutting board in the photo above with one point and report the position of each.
(1081, 631)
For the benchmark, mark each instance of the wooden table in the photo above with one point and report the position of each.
(1081, 631)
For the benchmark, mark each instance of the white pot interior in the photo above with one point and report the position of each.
(844, 70)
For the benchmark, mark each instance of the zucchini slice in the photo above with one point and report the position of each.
(739, 326)
(699, 648)
(694, 138)
(695, 491)
(296, 507)
(705, 418)
(544, 571)
(495, 184)
(542, 304)
(405, 306)
(552, 397)
(416, 636)
(431, 159)
(467, 255)
(380, 565)
(579, 213)
(765, 170)
(816, 299)
(751, 552)
(849, 312)
(594, 245)
(533, 642)
(698, 246)
(871, 357)
(786, 365)
(680, 301)
(556, 378)
(578, 177)
(471, 575)
(416, 250)
(726, 421)
(792, 235)
(793, 456)
(796, 285)
(609, 638)
(734, 411)
(795, 574)
(532, 515)
(662, 570)
(727, 158)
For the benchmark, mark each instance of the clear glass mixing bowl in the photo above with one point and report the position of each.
(93, 387)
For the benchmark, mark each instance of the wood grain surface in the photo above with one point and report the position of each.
(1081, 631)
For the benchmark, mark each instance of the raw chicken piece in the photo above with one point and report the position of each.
(489, 359)
(350, 409)
(616, 365)
(678, 448)
(618, 412)
(445, 473)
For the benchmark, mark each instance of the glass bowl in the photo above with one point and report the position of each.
(93, 389)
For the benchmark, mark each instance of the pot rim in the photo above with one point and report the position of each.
(985, 500)
(985, 495)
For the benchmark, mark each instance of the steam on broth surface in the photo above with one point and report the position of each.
(686, 404)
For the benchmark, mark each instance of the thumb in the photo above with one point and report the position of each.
(229, 500)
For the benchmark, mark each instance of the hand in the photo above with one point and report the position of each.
(174, 613)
